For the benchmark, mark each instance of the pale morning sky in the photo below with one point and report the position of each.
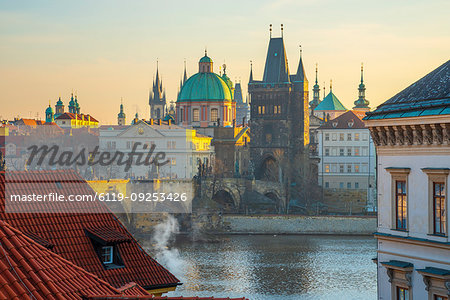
(105, 50)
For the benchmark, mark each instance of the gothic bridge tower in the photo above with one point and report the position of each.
(279, 126)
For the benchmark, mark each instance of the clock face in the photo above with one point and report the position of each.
(141, 130)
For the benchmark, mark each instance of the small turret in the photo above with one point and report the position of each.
(121, 117)
(49, 116)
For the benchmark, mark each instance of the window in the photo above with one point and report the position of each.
(436, 297)
(327, 151)
(402, 293)
(181, 115)
(356, 151)
(341, 168)
(261, 109)
(341, 151)
(128, 145)
(364, 136)
(214, 114)
(195, 115)
(349, 136)
(349, 151)
(356, 136)
(437, 189)
(327, 136)
(439, 208)
(334, 137)
(173, 161)
(341, 136)
(356, 168)
(171, 144)
(327, 168)
(327, 184)
(349, 185)
(341, 185)
(400, 205)
(349, 168)
(107, 254)
(356, 185)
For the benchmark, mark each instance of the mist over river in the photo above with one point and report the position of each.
(274, 267)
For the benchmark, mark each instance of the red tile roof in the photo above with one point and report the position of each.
(30, 271)
(348, 120)
(69, 116)
(108, 235)
(66, 231)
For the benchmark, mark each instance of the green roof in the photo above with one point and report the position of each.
(330, 102)
(204, 86)
(49, 109)
(206, 59)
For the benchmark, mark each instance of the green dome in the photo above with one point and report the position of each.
(227, 80)
(205, 86)
(49, 110)
(59, 103)
(206, 59)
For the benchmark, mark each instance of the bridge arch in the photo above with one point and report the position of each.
(268, 169)
(225, 200)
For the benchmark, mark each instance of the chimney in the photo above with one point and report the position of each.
(151, 121)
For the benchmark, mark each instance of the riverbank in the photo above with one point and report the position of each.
(293, 224)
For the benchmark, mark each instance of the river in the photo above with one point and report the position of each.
(276, 267)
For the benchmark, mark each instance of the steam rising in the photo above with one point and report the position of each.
(169, 258)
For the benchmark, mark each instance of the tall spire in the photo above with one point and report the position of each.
(362, 70)
(270, 30)
(331, 85)
(251, 72)
(281, 30)
(362, 103)
(316, 73)
(316, 94)
(301, 76)
(185, 73)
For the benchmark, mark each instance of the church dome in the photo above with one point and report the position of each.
(206, 59)
(49, 110)
(205, 86)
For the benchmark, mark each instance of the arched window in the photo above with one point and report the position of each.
(214, 114)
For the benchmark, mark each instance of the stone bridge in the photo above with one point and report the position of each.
(241, 195)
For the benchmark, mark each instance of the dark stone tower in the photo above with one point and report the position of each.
(157, 98)
(280, 121)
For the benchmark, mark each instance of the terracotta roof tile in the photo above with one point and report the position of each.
(66, 231)
(347, 120)
(28, 270)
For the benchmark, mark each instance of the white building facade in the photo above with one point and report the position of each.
(183, 150)
(347, 156)
(412, 136)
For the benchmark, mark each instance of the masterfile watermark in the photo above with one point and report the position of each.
(53, 156)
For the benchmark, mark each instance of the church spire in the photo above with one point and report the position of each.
(251, 72)
(362, 103)
(300, 69)
(185, 73)
(316, 94)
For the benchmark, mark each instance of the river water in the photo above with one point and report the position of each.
(277, 267)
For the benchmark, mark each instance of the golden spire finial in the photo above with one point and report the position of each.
(331, 84)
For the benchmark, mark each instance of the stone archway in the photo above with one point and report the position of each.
(225, 201)
(268, 170)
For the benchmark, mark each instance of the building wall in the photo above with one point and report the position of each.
(435, 253)
(337, 168)
(182, 147)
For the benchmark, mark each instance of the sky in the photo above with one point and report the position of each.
(107, 50)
